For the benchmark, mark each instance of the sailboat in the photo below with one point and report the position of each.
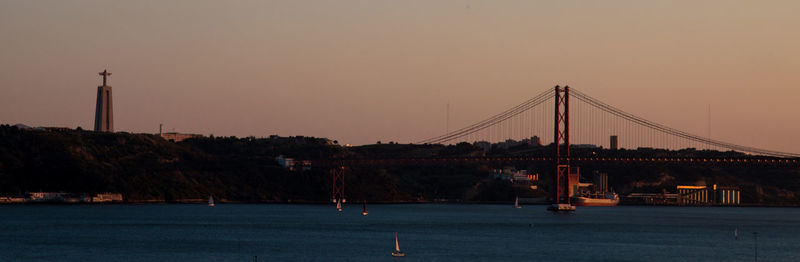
(396, 252)
(516, 203)
(364, 209)
(339, 205)
(211, 201)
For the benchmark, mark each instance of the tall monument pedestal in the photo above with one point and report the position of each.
(104, 114)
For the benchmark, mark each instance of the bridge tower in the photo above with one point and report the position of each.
(561, 184)
(338, 183)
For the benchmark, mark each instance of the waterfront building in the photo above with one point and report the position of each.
(48, 196)
(7, 199)
(663, 198)
(106, 197)
(727, 196)
(693, 195)
(704, 195)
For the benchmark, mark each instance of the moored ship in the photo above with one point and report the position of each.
(605, 200)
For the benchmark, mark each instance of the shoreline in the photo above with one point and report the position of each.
(305, 202)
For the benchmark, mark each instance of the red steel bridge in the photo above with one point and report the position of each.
(594, 123)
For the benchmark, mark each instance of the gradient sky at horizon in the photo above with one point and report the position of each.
(363, 71)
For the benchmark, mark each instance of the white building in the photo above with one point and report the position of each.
(107, 197)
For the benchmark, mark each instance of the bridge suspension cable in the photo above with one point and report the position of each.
(674, 132)
(545, 96)
(592, 121)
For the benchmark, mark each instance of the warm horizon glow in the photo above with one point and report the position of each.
(363, 71)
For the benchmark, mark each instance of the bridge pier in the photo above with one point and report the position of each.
(338, 184)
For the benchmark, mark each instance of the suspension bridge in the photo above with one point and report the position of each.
(577, 120)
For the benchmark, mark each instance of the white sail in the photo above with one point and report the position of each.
(396, 252)
(211, 201)
(396, 244)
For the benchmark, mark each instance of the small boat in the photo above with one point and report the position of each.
(516, 203)
(364, 209)
(339, 205)
(211, 201)
(396, 252)
(561, 208)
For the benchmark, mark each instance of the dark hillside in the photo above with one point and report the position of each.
(145, 167)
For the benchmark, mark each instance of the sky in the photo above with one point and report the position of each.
(366, 71)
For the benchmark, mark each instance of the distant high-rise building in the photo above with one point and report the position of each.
(104, 114)
(614, 143)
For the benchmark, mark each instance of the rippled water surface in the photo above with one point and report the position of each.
(427, 232)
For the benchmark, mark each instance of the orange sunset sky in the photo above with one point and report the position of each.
(363, 71)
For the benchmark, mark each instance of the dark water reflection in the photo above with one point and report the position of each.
(428, 232)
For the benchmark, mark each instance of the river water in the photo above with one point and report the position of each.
(427, 232)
